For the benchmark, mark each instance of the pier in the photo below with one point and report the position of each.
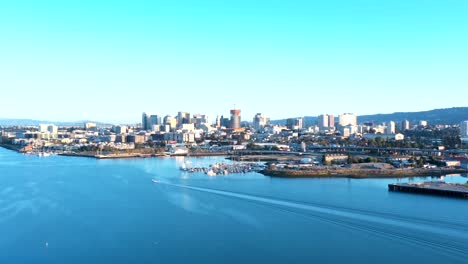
(434, 188)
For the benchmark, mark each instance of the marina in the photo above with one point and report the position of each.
(224, 168)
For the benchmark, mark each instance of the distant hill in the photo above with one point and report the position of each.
(448, 116)
(31, 122)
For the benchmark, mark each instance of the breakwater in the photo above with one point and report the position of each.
(358, 173)
(435, 188)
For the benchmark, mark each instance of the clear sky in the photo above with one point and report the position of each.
(111, 60)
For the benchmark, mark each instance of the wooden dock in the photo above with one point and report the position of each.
(435, 188)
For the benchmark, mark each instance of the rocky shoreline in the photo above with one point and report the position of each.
(359, 173)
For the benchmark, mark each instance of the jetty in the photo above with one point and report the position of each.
(371, 170)
(433, 187)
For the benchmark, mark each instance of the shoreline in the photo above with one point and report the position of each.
(18, 149)
(324, 172)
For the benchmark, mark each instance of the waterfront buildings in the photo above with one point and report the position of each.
(48, 128)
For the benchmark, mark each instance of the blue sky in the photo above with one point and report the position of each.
(112, 60)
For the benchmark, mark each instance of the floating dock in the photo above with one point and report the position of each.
(434, 187)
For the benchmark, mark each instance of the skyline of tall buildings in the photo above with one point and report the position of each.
(347, 123)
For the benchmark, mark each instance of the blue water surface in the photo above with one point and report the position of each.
(82, 210)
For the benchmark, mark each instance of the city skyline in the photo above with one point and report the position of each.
(109, 61)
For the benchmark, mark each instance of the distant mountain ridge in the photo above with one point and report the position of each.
(449, 116)
(32, 122)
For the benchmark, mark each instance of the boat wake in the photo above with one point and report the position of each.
(449, 237)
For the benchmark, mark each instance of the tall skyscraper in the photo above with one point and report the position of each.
(259, 121)
(170, 121)
(183, 118)
(295, 123)
(331, 121)
(322, 121)
(225, 122)
(145, 121)
(235, 118)
(199, 119)
(218, 121)
(325, 121)
(405, 125)
(347, 119)
(155, 120)
(390, 128)
(464, 129)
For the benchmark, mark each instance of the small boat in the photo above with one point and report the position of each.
(155, 181)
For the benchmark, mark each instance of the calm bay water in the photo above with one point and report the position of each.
(80, 210)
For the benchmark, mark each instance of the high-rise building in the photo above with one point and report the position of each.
(347, 119)
(295, 123)
(145, 121)
(48, 129)
(154, 120)
(423, 123)
(225, 122)
(405, 125)
(235, 118)
(464, 129)
(43, 128)
(325, 121)
(322, 121)
(390, 128)
(198, 120)
(259, 121)
(331, 121)
(183, 118)
(170, 121)
(218, 121)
